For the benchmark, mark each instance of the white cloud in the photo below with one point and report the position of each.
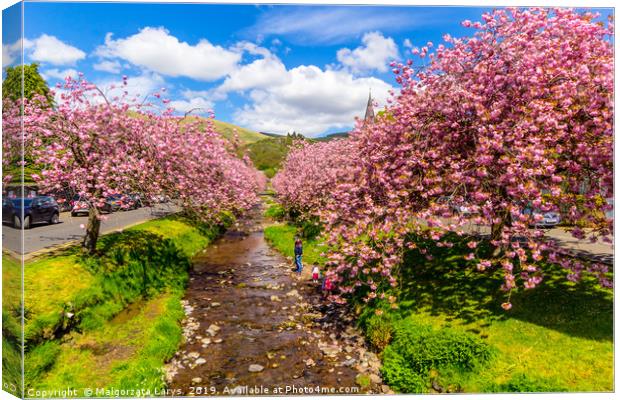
(10, 53)
(261, 73)
(58, 74)
(407, 43)
(137, 89)
(195, 105)
(252, 49)
(157, 50)
(375, 53)
(311, 101)
(329, 25)
(111, 66)
(212, 94)
(49, 49)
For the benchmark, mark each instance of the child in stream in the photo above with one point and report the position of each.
(315, 274)
(327, 286)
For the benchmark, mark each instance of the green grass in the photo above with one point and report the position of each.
(189, 237)
(138, 262)
(557, 337)
(11, 326)
(245, 135)
(125, 306)
(282, 237)
(11, 284)
(275, 212)
(227, 129)
(127, 352)
(268, 154)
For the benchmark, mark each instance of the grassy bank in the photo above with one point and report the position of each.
(11, 327)
(126, 353)
(70, 290)
(449, 333)
(558, 336)
(77, 298)
(282, 237)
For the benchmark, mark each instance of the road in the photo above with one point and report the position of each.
(41, 237)
(598, 251)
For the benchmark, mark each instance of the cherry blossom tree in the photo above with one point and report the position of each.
(310, 173)
(98, 146)
(516, 117)
(11, 140)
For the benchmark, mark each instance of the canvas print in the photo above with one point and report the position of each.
(292, 200)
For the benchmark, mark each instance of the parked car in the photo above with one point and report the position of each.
(63, 197)
(542, 219)
(133, 201)
(114, 202)
(456, 208)
(609, 214)
(80, 206)
(64, 205)
(39, 209)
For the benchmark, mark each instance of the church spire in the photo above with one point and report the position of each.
(370, 111)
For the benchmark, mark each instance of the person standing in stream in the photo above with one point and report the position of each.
(298, 253)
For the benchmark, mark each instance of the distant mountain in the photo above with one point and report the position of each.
(335, 135)
(331, 136)
(271, 134)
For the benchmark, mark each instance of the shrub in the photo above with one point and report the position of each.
(417, 349)
(270, 172)
(379, 331)
(446, 347)
(275, 211)
(310, 228)
(399, 375)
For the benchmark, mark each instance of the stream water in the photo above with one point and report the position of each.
(253, 326)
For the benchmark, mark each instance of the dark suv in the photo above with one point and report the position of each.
(40, 209)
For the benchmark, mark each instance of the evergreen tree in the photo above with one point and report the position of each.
(33, 83)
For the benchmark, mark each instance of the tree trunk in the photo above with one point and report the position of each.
(92, 230)
(496, 230)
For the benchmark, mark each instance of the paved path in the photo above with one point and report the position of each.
(41, 237)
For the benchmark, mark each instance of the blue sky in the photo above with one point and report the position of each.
(268, 68)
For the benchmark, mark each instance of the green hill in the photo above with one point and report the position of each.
(245, 135)
(226, 129)
(268, 154)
